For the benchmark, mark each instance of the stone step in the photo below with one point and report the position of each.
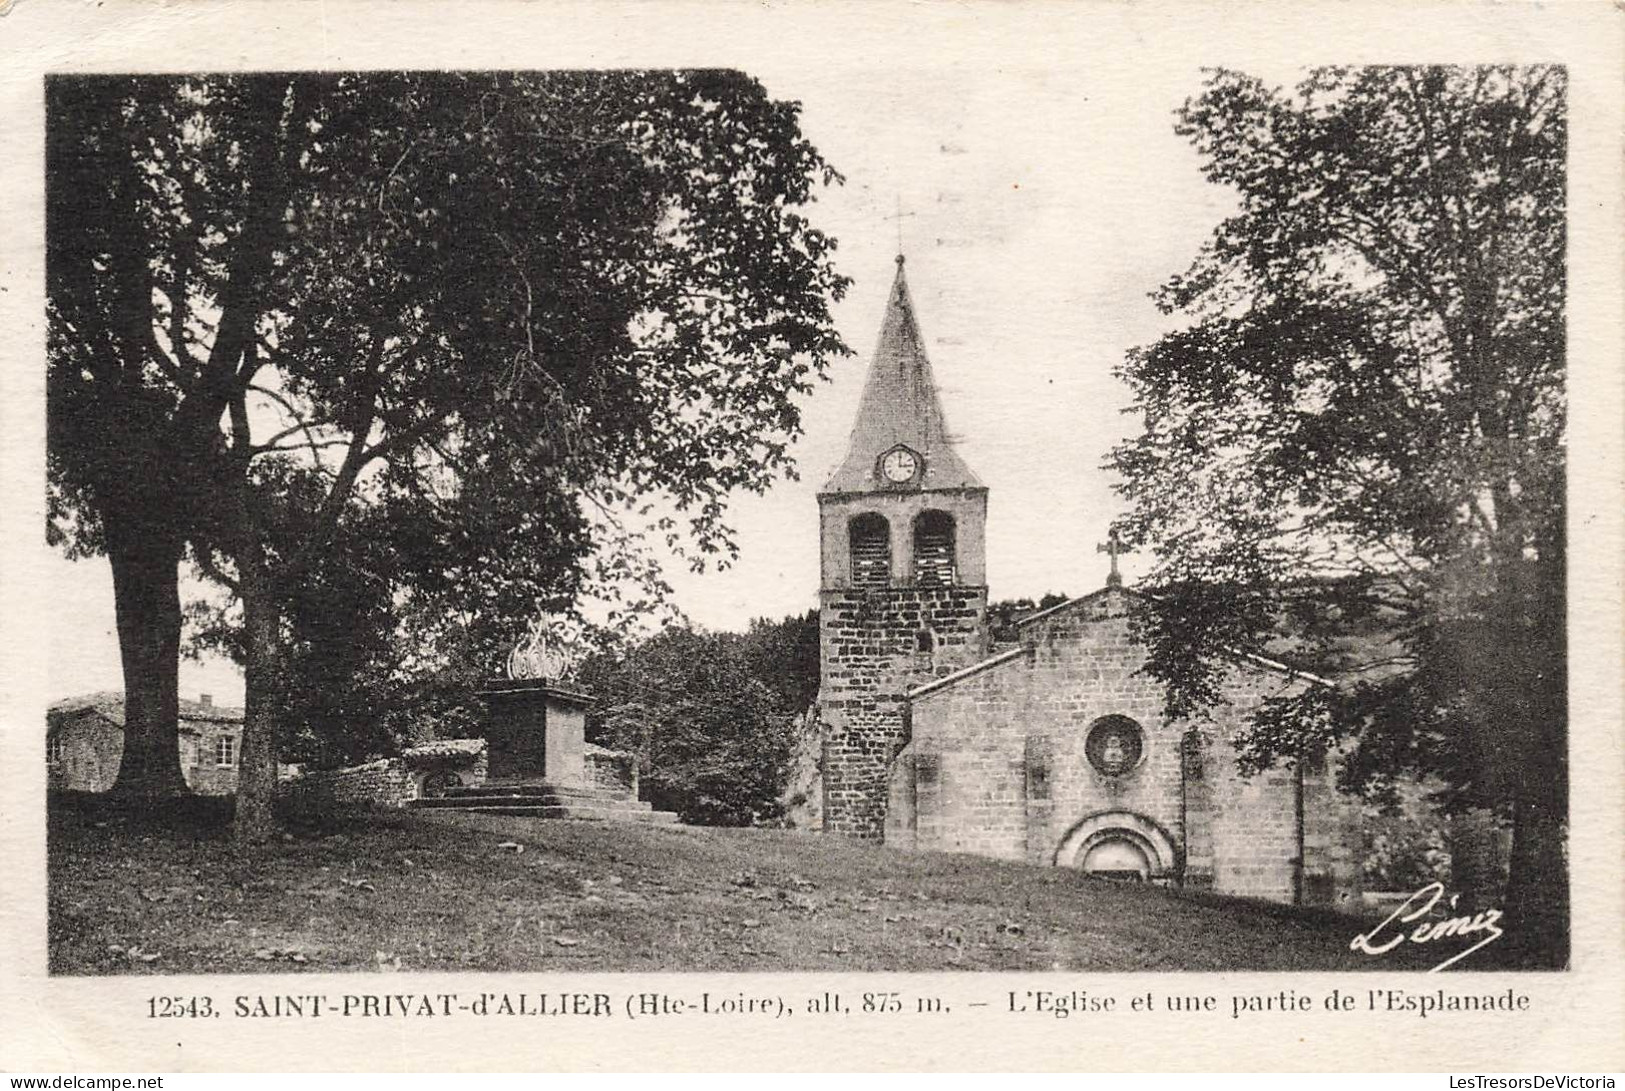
(532, 791)
(538, 799)
(586, 814)
(526, 788)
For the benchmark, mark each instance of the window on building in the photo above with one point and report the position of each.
(225, 751)
(869, 536)
(934, 549)
(54, 750)
(1115, 745)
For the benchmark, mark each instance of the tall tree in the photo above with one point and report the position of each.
(484, 315)
(145, 183)
(709, 716)
(784, 656)
(1361, 427)
(1003, 615)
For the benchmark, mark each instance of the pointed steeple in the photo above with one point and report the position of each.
(900, 408)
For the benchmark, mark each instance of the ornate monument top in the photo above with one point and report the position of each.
(548, 651)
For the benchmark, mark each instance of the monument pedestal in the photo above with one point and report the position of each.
(536, 731)
(536, 750)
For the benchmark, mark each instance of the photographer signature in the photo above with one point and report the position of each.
(1418, 905)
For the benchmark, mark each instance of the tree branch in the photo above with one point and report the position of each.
(404, 437)
(312, 447)
(177, 310)
(358, 424)
(161, 358)
(205, 561)
(383, 187)
(1435, 191)
(300, 425)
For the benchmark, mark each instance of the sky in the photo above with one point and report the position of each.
(1042, 201)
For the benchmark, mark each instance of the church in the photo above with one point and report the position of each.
(1049, 748)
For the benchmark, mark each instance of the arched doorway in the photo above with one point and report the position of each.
(1119, 845)
(1116, 858)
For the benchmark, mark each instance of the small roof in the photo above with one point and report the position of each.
(900, 405)
(109, 705)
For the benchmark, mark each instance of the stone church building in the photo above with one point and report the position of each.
(1049, 749)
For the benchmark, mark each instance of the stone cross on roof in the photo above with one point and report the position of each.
(899, 216)
(1113, 545)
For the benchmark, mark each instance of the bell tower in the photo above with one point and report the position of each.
(903, 578)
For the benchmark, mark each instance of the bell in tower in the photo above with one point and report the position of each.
(902, 588)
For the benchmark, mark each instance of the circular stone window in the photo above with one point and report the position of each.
(1115, 745)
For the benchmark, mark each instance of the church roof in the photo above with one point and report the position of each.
(900, 405)
(1108, 593)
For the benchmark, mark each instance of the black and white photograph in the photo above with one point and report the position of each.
(1075, 509)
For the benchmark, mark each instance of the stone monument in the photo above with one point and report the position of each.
(536, 726)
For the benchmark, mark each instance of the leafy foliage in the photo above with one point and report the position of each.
(1003, 615)
(785, 656)
(711, 716)
(1353, 452)
(1407, 845)
(452, 331)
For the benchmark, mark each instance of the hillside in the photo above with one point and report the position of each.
(415, 891)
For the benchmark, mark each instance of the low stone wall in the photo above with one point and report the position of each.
(612, 770)
(389, 782)
(438, 765)
(383, 783)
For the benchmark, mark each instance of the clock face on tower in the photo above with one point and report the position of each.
(899, 465)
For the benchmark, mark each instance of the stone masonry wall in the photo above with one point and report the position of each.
(1333, 839)
(383, 783)
(387, 782)
(200, 765)
(871, 644)
(803, 795)
(91, 751)
(997, 766)
(468, 760)
(612, 770)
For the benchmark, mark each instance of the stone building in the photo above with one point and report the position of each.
(1052, 750)
(84, 743)
(902, 588)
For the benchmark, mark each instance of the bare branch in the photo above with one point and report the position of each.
(177, 311)
(299, 425)
(161, 358)
(205, 561)
(312, 447)
(383, 187)
(280, 399)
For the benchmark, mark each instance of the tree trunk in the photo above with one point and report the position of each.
(255, 820)
(147, 603)
(1537, 897)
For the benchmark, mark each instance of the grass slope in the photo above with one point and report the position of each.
(167, 893)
